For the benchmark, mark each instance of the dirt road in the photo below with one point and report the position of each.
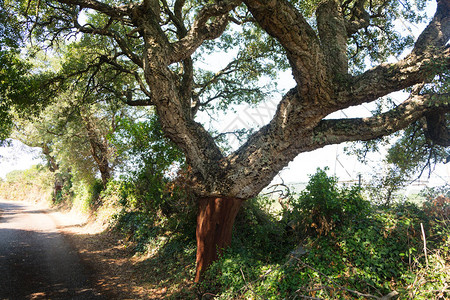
(36, 262)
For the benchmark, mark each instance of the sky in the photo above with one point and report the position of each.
(346, 168)
(18, 157)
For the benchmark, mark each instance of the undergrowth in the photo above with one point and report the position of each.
(328, 242)
(350, 251)
(34, 184)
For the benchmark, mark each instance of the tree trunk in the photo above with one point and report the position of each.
(105, 172)
(58, 185)
(215, 221)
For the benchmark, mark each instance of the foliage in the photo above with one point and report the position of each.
(73, 134)
(438, 208)
(87, 195)
(144, 146)
(383, 187)
(371, 257)
(374, 254)
(153, 206)
(167, 242)
(152, 163)
(24, 89)
(407, 154)
(12, 68)
(63, 195)
(34, 184)
(415, 152)
(323, 205)
(38, 184)
(431, 193)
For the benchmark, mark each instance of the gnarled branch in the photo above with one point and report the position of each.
(437, 33)
(201, 30)
(334, 131)
(388, 78)
(333, 37)
(283, 21)
(116, 12)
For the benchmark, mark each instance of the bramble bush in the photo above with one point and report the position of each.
(154, 207)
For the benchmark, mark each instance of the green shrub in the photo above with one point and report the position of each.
(34, 184)
(153, 206)
(368, 250)
(153, 199)
(378, 254)
(138, 227)
(65, 195)
(431, 193)
(87, 195)
(323, 205)
(256, 228)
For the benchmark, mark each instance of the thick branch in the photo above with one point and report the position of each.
(293, 131)
(282, 20)
(139, 102)
(359, 17)
(112, 11)
(387, 78)
(429, 57)
(154, 6)
(336, 131)
(437, 33)
(201, 30)
(201, 151)
(333, 37)
(272, 147)
(437, 128)
(176, 17)
(127, 97)
(123, 44)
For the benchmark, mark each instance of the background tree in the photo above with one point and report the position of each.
(75, 138)
(21, 92)
(324, 44)
(11, 68)
(74, 132)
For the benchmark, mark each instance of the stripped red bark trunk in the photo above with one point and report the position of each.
(215, 221)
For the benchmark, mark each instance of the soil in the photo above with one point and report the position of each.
(104, 265)
(117, 271)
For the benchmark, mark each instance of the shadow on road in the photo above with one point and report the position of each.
(36, 261)
(14, 209)
(31, 269)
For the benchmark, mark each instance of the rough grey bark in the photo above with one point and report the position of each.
(333, 37)
(437, 128)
